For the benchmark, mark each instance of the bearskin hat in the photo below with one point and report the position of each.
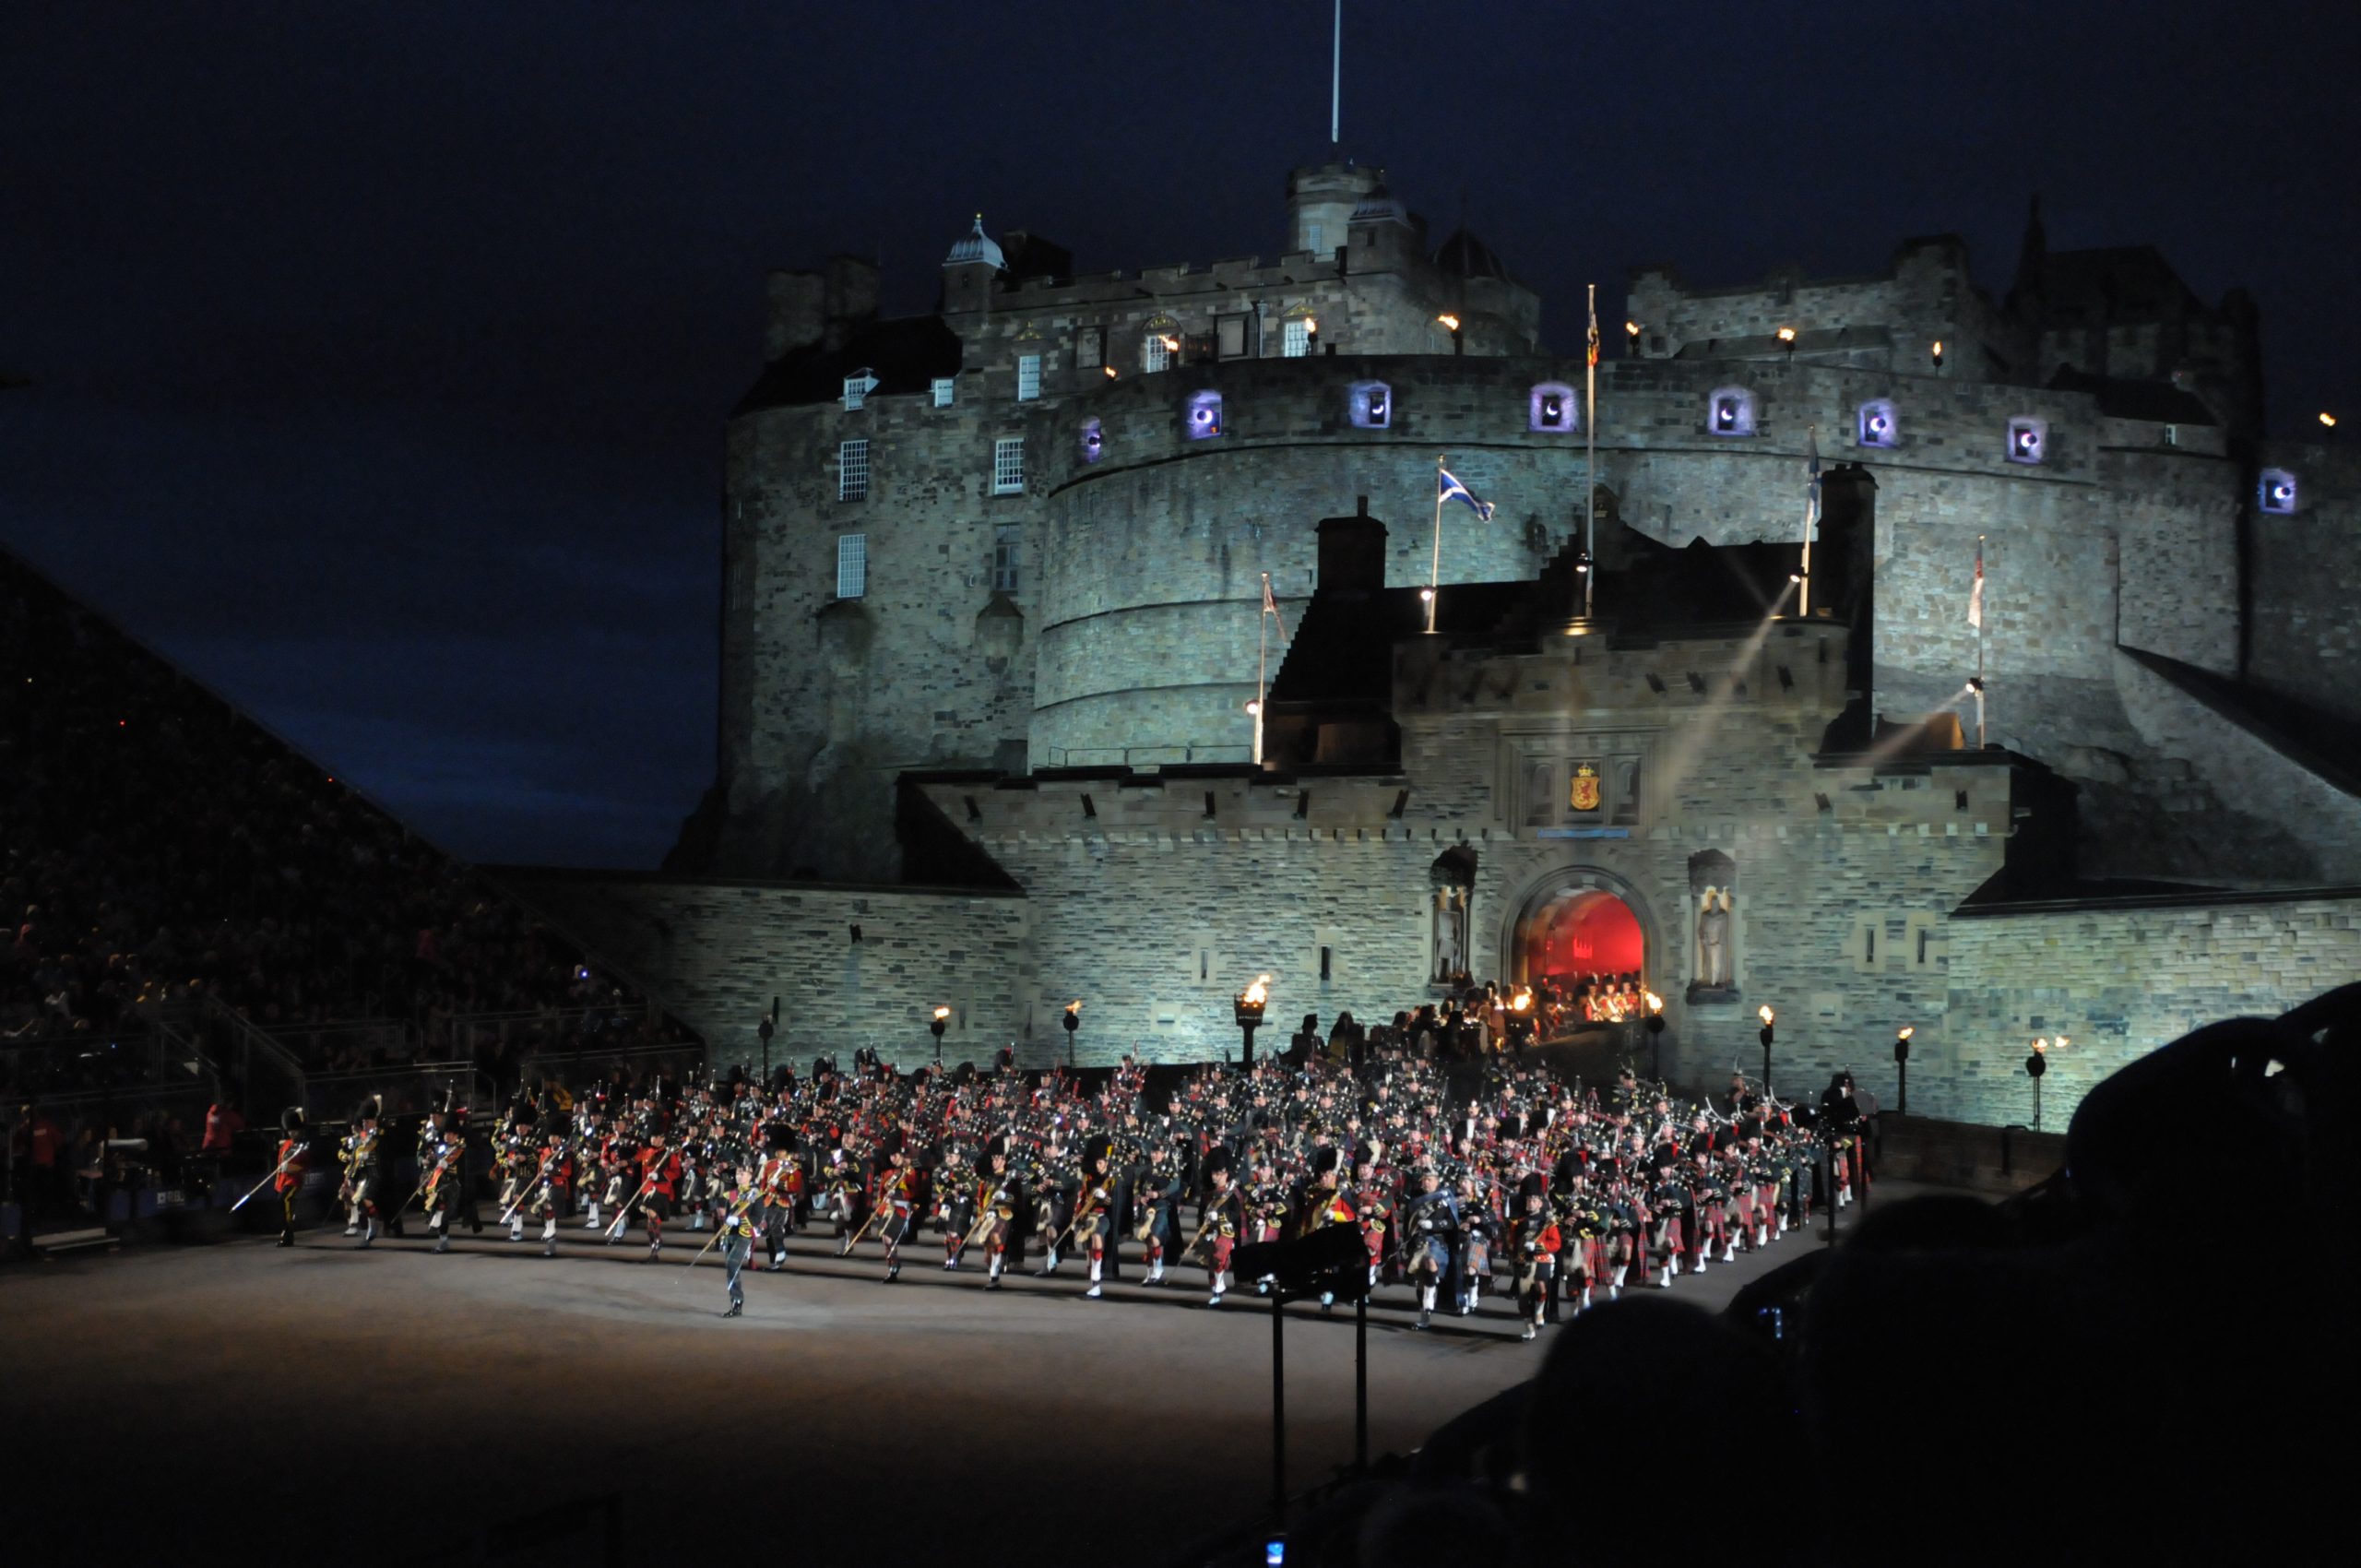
(778, 1137)
(1533, 1186)
(1215, 1162)
(1324, 1159)
(373, 1106)
(996, 1147)
(1098, 1147)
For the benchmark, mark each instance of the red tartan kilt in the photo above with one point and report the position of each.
(1669, 1238)
(1221, 1246)
(1589, 1256)
(1768, 1197)
(1744, 1200)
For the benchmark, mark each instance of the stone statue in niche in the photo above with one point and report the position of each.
(1713, 891)
(1713, 938)
(1449, 934)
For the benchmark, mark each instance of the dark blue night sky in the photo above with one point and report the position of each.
(379, 354)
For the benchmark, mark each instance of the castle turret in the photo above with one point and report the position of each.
(1320, 201)
(969, 271)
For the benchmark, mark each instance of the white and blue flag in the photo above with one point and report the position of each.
(1452, 489)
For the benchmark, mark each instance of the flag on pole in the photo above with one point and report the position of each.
(1811, 492)
(1594, 332)
(1975, 594)
(1270, 606)
(1452, 489)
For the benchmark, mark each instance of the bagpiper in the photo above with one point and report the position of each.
(1221, 1219)
(359, 1153)
(1430, 1227)
(1534, 1242)
(998, 1197)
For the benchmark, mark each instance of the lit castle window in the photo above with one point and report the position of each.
(1093, 441)
(1369, 404)
(2028, 439)
(1204, 415)
(1552, 407)
(1730, 412)
(1874, 425)
(2276, 490)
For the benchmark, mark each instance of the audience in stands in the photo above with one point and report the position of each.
(158, 850)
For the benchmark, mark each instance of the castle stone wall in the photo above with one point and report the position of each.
(718, 951)
(2306, 577)
(2118, 982)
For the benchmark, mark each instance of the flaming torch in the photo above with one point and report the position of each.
(1769, 1018)
(1072, 1021)
(942, 1021)
(1247, 1007)
(1901, 1064)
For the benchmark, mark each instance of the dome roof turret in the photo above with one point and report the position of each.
(977, 246)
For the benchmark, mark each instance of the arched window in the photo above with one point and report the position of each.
(1369, 404)
(1552, 407)
(1729, 411)
(1874, 425)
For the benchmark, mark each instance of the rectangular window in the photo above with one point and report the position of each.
(943, 384)
(1230, 336)
(1327, 970)
(1028, 377)
(1008, 540)
(1090, 350)
(852, 565)
(1311, 238)
(858, 386)
(1008, 466)
(1155, 352)
(852, 471)
(1295, 339)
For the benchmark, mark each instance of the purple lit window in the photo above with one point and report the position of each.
(1204, 415)
(1876, 424)
(1552, 407)
(1093, 441)
(2028, 439)
(1730, 412)
(1371, 405)
(2276, 490)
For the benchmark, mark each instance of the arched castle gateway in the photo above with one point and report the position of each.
(991, 593)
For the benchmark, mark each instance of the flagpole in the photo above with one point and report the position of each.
(1434, 569)
(1262, 667)
(1336, 78)
(1811, 507)
(1590, 452)
(1979, 642)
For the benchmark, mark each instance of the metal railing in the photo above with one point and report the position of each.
(406, 1090)
(1145, 758)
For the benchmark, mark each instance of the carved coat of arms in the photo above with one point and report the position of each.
(1584, 795)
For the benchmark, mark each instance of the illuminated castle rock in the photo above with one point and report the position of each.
(991, 599)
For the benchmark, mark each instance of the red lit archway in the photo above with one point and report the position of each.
(1579, 934)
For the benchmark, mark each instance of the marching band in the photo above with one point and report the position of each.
(1534, 1188)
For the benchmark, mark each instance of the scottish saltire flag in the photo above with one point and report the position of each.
(1452, 489)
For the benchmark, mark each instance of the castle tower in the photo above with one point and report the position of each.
(969, 271)
(1320, 201)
